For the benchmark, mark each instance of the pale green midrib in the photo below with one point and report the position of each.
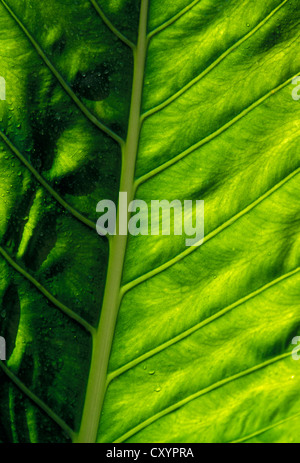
(110, 25)
(193, 329)
(139, 181)
(102, 342)
(206, 71)
(37, 401)
(61, 80)
(62, 307)
(211, 235)
(47, 187)
(198, 394)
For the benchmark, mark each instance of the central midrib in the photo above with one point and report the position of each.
(102, 340)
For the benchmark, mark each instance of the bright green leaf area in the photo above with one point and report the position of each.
(143, 339)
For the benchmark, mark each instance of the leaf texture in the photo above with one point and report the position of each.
(143, 339)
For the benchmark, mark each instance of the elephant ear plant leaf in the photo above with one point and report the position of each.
(140, 338)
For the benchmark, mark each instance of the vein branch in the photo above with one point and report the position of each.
(110, 25)
(139, 181)
(198, 394)
(200, 325)
(43, 182)
(173, 19)
(265, 429)
(37, 401)
(62, 81)
(221, 58)
(211, 235)
(63, 308)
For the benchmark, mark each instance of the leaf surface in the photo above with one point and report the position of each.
(143, 339)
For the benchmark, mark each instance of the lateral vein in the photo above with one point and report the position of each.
(173, 19)
(61, 80)
(200, 325)
(221, 58)
(211, 235)
(139, 181)
(267, 428)
(37, 401)
(110, 25)
(43, 182)
(62, 307)
(198, 394)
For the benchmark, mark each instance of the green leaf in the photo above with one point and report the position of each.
(141, 338)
